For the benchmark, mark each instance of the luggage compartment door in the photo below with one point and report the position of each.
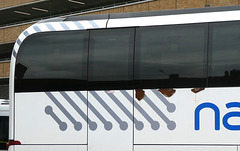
(110, 120)
(51, 118)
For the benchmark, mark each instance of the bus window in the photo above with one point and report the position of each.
(52, 61)
(111, 58)
(3, 132)
(224, 59)
(171, 56)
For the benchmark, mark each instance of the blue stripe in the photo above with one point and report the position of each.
(93, 24)
(19, 42)
(50, 27)
(64, 26)
(36, 28)
(26, 33)
(79, 25)
(14, 54)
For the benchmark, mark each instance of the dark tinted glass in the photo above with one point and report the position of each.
(3, 131)
(225, 54)
(52, 61)
(111, 58)
(171, 56)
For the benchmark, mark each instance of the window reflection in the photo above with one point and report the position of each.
(225, 53)
(172, 52)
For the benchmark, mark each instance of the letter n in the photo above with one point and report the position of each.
(207, 105)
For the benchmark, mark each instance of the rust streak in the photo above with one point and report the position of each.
(196, 90)
(167, 92)
(140, 94)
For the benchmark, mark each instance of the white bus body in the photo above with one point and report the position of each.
(202, 115)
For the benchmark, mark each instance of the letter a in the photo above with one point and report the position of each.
(231, 114)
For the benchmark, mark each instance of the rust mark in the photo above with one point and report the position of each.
(167, 92)
(196, 90)
(140, 94)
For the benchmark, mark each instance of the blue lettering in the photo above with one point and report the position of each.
(231, 114)
(207, 105)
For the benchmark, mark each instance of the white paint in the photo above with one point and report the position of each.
(183, 148)
(34, 126)
(175, 19)
(50, 147)
(186, 102)
(43, 28)
(115, 139)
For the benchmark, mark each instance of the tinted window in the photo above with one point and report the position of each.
(3, 131)
(171, 56)
(52, 61)
(111, 58)
(225, 54)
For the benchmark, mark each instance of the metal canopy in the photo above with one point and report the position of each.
(51, 8)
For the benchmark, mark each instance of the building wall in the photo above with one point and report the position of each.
(4, 69)
(10, 34)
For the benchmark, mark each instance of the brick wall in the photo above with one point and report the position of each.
(4, 69)
(169, 4)
(10, 34)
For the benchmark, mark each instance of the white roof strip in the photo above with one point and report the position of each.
(176, 19)
(43, 28)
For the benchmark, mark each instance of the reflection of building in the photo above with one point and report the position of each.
(235, 74)
(17, 15)
(230, 78)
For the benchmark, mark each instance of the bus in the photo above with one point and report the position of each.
(143, 81)
(4, 121)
